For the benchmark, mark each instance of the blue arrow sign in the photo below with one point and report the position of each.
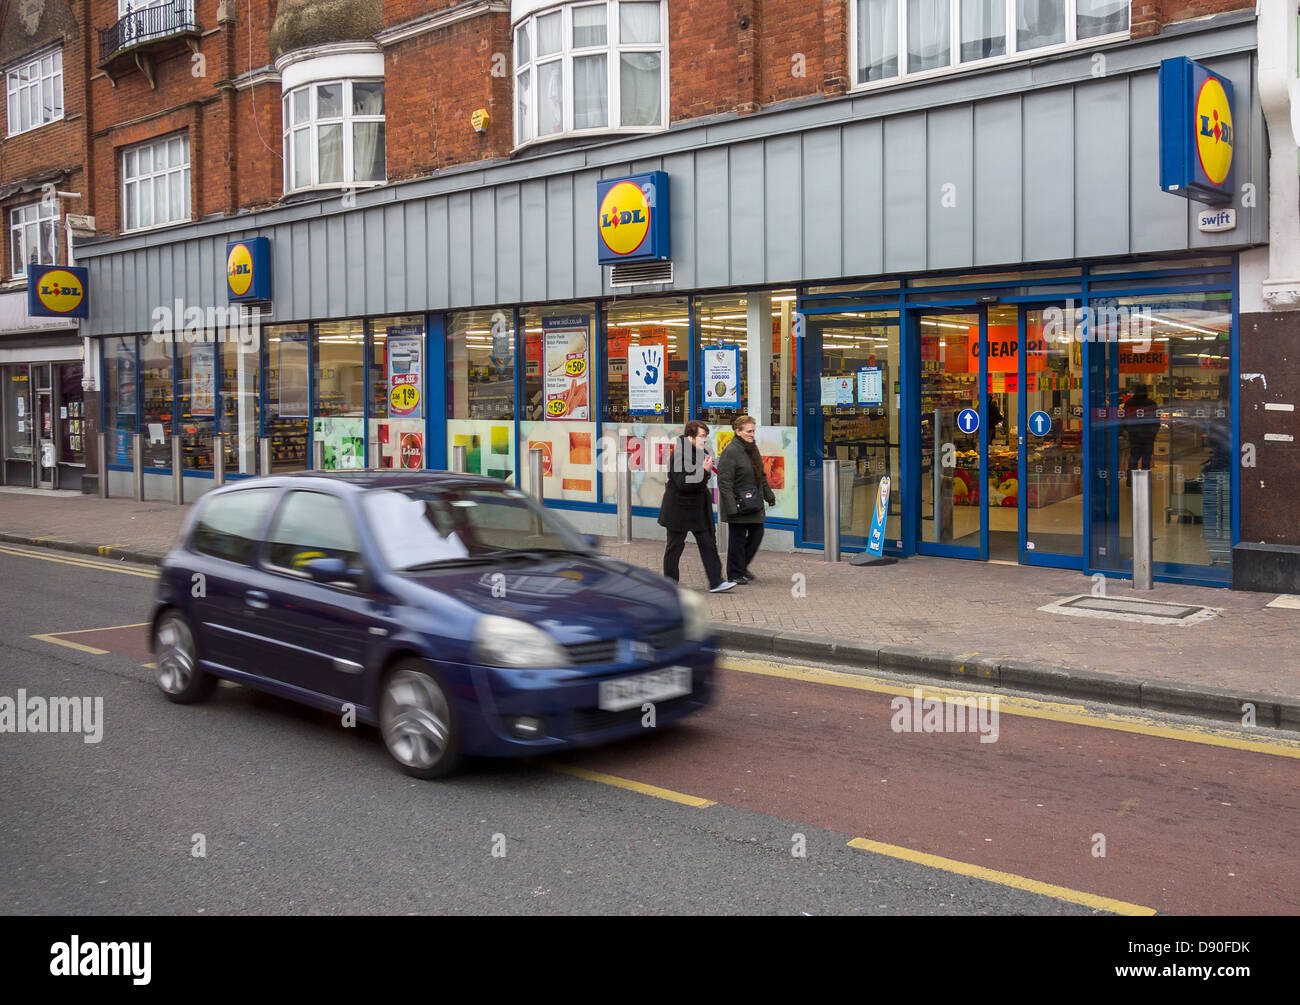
(968, 420)
(1040, 423)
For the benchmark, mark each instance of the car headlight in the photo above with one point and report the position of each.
(695, 615)
(505, 642)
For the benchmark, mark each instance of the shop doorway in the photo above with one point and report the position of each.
(998, 435)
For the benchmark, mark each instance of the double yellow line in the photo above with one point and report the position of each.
(84, 562)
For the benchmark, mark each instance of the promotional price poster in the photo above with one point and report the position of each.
(203, 377)
(567, 362)
(870, 385)
(721, 375)
(405, 369)
(646, 362)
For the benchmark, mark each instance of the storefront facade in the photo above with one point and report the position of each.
(855, 274)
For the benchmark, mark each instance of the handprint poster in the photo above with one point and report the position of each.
(646, 362)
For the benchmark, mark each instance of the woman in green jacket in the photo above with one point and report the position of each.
(740, 474)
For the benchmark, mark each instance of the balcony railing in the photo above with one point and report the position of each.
(147, 24)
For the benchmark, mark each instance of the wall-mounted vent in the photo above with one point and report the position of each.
(640, 273)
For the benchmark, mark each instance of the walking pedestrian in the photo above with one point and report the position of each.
(742, 492)
(687, 507)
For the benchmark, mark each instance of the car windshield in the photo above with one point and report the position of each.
(420, 526)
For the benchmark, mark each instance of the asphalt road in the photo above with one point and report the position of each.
(300, 815)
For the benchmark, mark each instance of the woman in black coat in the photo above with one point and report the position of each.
(740, 471)
(688, 506)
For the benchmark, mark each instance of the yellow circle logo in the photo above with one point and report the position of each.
(60, 291)
(404, 397)
(1214, 134)
(556, 406)
(575, 367)
(624, 218)
(239, 269)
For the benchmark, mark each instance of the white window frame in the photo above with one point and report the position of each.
(614, 49)
(955, 64)
(312, 125)
(152, 175)
(30, 217)
(31, 89)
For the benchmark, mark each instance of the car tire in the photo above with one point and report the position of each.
(176, 661)
(418, 721)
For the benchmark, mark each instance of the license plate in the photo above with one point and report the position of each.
(658, 685)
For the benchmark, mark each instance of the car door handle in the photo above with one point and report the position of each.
(258, 599)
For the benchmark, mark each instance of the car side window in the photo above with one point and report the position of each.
(228, 525)
(312, 525)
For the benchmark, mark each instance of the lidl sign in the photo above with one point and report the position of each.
(1197, 135)
(632, 218)
(248, 269)
(57, 291)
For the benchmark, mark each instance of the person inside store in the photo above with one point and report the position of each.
(742, 492)
(687, 506)
(1142, 423)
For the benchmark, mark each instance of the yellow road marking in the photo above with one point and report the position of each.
(70, 645)
(1027, 708)
(88, 563)
(627, 783)
(1004, 878)
(150, 666)
(112, 628)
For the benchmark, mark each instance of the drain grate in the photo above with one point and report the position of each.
(1150, 612)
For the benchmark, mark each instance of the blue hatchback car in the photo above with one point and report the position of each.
(449, 610)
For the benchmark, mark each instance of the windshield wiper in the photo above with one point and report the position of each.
(537, 552)
(449, 563)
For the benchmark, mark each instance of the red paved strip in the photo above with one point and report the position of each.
(1189, 828)
(133, 642)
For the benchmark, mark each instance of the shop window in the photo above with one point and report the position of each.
(339, 394)
(120, 397)
(481, 391)
(285, 366)
(398, 391)
(589, 67)
(239, 406)
(35, 92)
(196, 364)
(156, 401)
(72, 415)
(897, 39)
(559, 412)
(156, 183)
(334, 134)
(18, 421)
(33, 236)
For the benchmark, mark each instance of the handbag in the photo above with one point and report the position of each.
(748, 501)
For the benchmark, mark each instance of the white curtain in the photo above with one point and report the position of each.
(1101, 17)
(639, 81)
(638, 23)
(928, 28)
(1039, 23)
(590, 91)
(877, 39)
(550, 98)
(367, 137)
(983, 29)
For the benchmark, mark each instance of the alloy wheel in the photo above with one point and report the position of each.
(176, 659)
(416, 720)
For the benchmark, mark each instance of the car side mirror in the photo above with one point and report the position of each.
(592, 540)
(331, 570)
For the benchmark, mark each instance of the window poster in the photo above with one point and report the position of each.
(405, 371)
(871, 386)
(567, 357)
(646, 361)
(721, 375)
(203, 379)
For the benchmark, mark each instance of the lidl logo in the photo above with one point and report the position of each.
(239, 269)
(60, 291)
(1214, 138)
(624, 218)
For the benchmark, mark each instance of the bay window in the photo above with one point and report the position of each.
(591, 66)
(334, 134)
(895, 39)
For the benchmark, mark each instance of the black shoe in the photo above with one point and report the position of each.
(749, 577)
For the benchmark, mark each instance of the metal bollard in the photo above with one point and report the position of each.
(218, 459)
(265, 458)
(178, 471)
(102, 447)
(458, 461)
(623, 496)
(137, 465)
(831, 509)
(536, 475)
(317, 455)
(1140, 481)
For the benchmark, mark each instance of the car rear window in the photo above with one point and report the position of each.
(229, 524)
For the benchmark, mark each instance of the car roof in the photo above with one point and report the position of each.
(361, 480)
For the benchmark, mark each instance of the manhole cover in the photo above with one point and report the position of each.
(1151, 612)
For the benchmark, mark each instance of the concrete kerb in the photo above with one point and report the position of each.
(996, 671)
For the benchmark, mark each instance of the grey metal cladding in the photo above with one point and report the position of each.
(1046, 162)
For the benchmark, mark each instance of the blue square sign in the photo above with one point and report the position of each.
(632, 218)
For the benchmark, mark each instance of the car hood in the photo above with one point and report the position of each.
(575, 598)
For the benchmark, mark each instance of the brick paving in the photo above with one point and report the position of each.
(945, 606)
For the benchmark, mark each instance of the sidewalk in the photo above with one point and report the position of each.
(940, 617)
